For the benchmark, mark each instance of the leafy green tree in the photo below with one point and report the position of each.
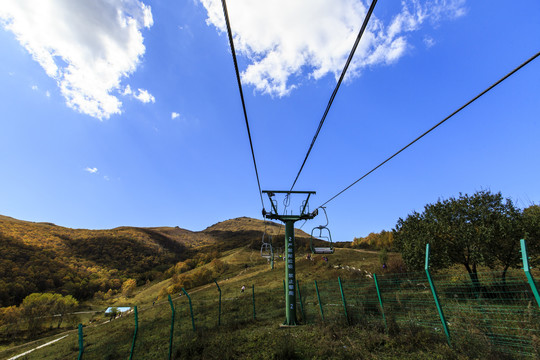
(481, 229)
(531, 223)
(37, 308)
(113, 313)
(63, 306)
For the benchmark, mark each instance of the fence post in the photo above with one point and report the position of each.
(319, 300)
(343, 299)
(81, 343)
(253, 292)
(435, 297)
(190, 309)
(172, 327)
(380, 300)
(527, 270)
(301, 303)
(134, 333)
(219, 308)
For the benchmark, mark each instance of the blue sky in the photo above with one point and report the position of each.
(128, 113)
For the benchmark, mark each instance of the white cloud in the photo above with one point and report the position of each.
(34, 87)
(47, 93)
(88, 47)
(175, 115)
(106, 178)
(144, 96)
(91, 170)
(429, 41)
(284, 39)
(127, 90)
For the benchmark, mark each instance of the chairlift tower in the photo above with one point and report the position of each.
(289, 220)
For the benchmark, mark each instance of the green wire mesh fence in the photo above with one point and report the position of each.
(497, 311)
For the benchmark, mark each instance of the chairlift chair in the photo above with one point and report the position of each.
(266, 250)
(324, 234)
(266, 247)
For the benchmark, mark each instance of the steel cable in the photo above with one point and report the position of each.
(349, 59)
(229, 32)
(435, 126)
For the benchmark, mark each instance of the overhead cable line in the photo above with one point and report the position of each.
(351, 54)
(229, 32)
(435, 126)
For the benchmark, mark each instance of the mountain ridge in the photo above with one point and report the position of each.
(44, 257)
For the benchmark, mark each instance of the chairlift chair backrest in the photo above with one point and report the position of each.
(324, 234)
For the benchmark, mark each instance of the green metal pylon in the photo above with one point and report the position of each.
(290, 274)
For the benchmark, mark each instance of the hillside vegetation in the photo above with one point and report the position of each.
(43, 257)
(239, 336)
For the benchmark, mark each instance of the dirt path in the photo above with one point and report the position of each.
(37, 347)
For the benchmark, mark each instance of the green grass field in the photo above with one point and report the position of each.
(240, 336)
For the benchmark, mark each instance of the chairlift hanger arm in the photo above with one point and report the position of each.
(274, 214)
(305, 204)
(273, 192)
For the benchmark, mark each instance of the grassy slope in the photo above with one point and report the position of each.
(240, 336)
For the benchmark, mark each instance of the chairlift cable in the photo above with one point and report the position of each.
(435, 126)
(229, 32)
(349, 59)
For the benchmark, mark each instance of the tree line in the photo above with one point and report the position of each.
(483, 229)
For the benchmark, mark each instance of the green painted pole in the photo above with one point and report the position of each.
(272, 258)
(284, 288)
(380, 300)
(301, 303)
(290, 274)
(190, 309)
(343, 300)
(172, 327)
(134, 333)
(527, 270)
(219, 307)
(81, 343)
(253, 292)
(319, 300)
(436, 298)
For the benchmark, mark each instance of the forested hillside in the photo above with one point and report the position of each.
(43, 257)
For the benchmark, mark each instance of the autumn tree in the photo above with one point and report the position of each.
(384, 239)
(9, 318)
(128, 287)
(481, 229)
